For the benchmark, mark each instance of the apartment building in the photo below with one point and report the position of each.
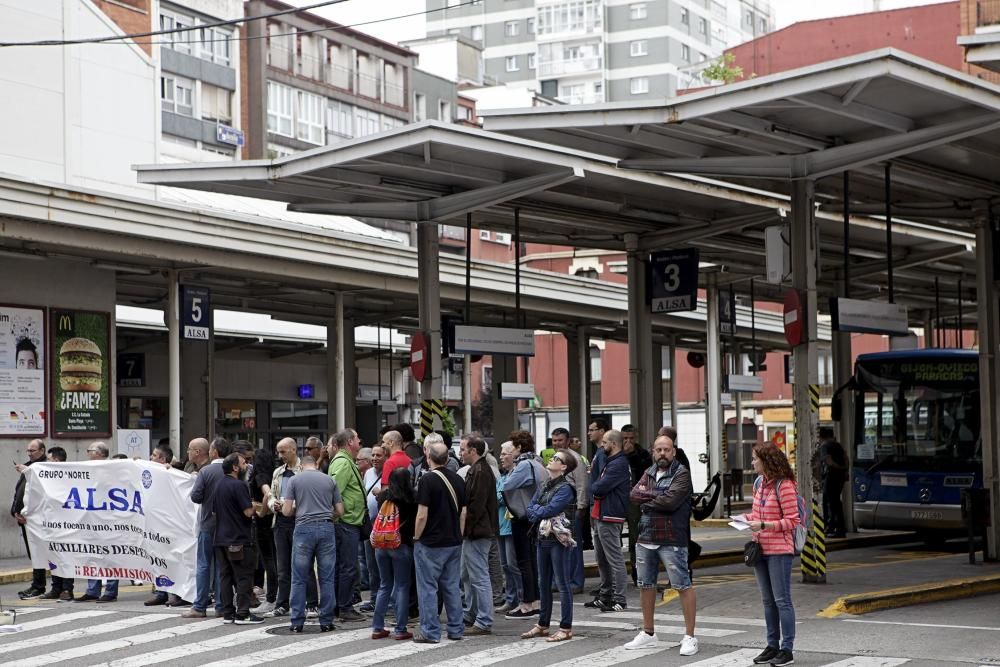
(591, 51)
(311, 82)
(199, 80)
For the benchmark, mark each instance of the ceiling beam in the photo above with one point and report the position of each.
(299, 349)
(673, 237)
(909, 261)
(857, 111)
(431, 210)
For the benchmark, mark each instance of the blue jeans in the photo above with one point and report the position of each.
(552, 568)
(774, 578)
(574, 557)
(364, 578)
(476, 579)
(513, 588)
(438, 569)
(675, 562)
(347, 555)
(110, 588)
(314, 540)
(207, 582)
(374, 576)
(394, 570)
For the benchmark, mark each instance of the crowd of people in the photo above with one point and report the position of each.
(471, 534)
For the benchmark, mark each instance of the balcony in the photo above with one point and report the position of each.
(569, 66)
(588, 98)
(983, 48)
(338, 76)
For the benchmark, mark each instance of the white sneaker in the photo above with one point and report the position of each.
(643, 640)
(689, 645)
(264, 608)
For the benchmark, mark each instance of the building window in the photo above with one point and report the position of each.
(177, 95)
(309, 119)
(702, 26)
(419, 107)
(763, 25)
(685, 52)
(748, 19)
(531, 26)
(216, 103)
(639, 48)
(574, 16)
(444, 111)
(487, 380)
(702, 57)
(178, 41)
(215, 45)
(365, 122)
(638, 85)
(595, 363)
(484, 235)
(511, 28)
(685, 17)
(279, 109)
(511, 63)
(477, 33)
(340, 119)
(532, 59)
(637, 12)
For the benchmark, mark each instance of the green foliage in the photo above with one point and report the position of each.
(448, 424)
(725, 70)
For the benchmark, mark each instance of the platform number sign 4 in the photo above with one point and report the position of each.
(672, 280)
(196, 312)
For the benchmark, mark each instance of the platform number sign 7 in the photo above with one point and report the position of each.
(196, 312)
(672, 280)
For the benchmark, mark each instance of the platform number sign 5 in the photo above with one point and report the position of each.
(196, 312)
(672, 280)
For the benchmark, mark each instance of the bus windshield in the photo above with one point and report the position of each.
(919, 414)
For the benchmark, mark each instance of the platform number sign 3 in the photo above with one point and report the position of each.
(196, 312)
(672, 280)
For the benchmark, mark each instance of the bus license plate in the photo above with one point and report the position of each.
(926, 514)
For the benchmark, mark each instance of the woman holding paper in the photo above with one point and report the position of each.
(772, 519)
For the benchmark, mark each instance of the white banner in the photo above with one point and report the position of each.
(114, 520)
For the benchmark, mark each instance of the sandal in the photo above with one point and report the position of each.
(561, 636)
(537, 631)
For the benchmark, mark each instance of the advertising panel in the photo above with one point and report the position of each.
(22, 371)
(80, 377)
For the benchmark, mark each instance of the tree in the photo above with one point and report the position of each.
(725, 70)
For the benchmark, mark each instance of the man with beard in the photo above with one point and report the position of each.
(664, 495)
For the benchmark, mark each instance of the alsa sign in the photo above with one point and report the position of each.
(196, 312)
(672, 280)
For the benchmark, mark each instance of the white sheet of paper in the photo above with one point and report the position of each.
(738, 523)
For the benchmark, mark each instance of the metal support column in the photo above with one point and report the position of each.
(429, 298)
(578, 382)
(349, 394)
(672, 353)
(640, 352)
(337, 388)
(805, 258)
(656, 385)
(713, 385)
(172, 316)
(989, 371)
(842, 372)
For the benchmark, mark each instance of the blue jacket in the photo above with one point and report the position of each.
(612, 487)
(597, 465)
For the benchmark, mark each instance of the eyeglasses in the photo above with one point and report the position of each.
(560, 459)
(590, 430)
(91, 451)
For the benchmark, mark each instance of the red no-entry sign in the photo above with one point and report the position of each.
(795, 318)
(418, 356)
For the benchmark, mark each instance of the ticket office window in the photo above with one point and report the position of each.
(299, 420)
(145, 413)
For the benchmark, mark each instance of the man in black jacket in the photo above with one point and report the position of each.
(36, 453)
(638, 461)
(481, 526)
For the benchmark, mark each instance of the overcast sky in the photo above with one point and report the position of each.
(354, 12)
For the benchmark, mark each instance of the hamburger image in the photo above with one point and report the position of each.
(80, 365)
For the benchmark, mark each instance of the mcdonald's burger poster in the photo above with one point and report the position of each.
(80, 379)
(22, 371)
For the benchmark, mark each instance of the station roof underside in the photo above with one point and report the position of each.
(587, 176)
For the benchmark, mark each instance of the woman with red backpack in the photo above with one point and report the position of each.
(392, 537)
(773, 520)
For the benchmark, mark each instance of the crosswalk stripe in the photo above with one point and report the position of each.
(187, 650)
(668, 629)
(735, 659)
(497, 654)
(24, 611)
(868, 661)
(379, 655)
(90, 630)
(123, 642)
(292, 649)
(59, 620)
(723, 620)
(611, 656)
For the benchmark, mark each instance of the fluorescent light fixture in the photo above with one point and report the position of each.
(122, 268)
(375, 301)
(224, 282)
(21, 254)
(605, 327)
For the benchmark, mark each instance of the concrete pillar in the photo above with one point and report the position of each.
(656, 398)
(578, 381)
(467, 394)
(672, 353)
(713, 385)
(843, 369)
(429, 299)
(505, 410)
(350, 385)
(930, 330)
(334, 387)
(172, 315)
(640, 345)
(989, 372)
(198, 421)
(805, 256)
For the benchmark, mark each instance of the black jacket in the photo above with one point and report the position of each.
(19, 489)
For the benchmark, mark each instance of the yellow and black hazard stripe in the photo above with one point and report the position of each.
(813, 558)
(814, 398)
(429, 408)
